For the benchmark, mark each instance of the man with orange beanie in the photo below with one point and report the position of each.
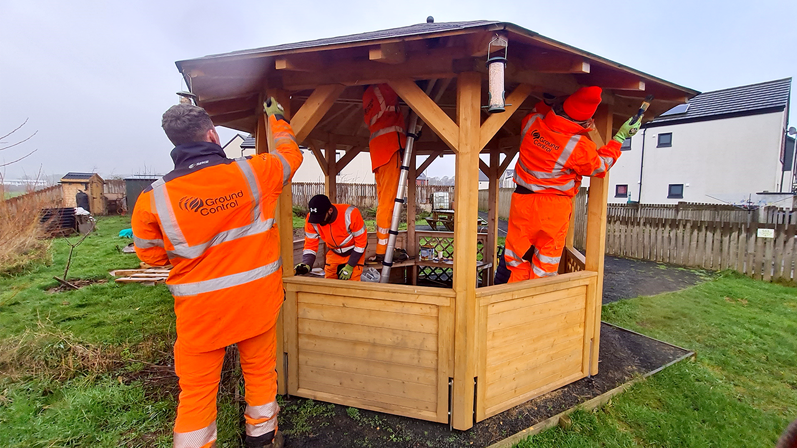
(386, 124)
(212, 218)
(554, 155)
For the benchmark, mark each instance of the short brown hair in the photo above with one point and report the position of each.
(184, 123)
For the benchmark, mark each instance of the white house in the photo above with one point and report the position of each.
(725, 146)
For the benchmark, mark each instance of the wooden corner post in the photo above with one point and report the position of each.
(596, 225)
(466, 204)
(284, 217)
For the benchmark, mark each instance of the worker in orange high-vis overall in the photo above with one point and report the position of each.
(388, 138)
(212, 218)
(554, 155)
(342, 228)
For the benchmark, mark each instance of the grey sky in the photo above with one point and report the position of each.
(94, 77)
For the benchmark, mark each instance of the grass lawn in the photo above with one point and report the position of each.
(741, 392)
(76, 367)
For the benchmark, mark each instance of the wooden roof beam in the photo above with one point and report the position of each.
(496, 121)
(319, 156)
(314, 109)
(348, 157)
(390, 53)
(434, 155)
(299, 63)
(428, 111)
(219, 107)
(348, 140)
(548, 61)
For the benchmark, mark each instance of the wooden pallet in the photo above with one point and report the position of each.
(145, 275)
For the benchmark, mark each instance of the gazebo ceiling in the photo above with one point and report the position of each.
(230, 86)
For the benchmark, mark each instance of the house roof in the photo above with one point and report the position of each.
(248, 143)
(764, 97)
(78, 176)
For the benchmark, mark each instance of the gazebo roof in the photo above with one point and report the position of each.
(230, 86)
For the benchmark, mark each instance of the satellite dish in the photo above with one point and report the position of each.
(792, 130)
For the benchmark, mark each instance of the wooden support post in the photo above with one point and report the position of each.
(412, 179)
(313, 109)
(571, 228)
(428, 111)
(491, 250)
(496, 121)
(596, 225)
(284, 216)
(467, 207)
(331, 185)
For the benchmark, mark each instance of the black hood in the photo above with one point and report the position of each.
(197, 155)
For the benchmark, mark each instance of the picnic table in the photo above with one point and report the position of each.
(445, 218)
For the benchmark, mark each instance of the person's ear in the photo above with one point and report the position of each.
(213, 137)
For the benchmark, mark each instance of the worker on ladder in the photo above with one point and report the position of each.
(212, 218)
(342, 228)
(388, 138)
(554, 155)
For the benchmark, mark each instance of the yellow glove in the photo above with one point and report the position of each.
(345, 273)
(301, 269)
(628, 129)
(272, 107)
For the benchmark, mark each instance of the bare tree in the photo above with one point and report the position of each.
(6, 145)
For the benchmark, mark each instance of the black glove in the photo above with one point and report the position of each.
(301, 269)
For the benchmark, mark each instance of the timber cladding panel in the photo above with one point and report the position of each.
(533, 340)
(378, 347)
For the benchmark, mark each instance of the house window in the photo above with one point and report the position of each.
(626, 146)
(665, 140)
(621, 191)
(675, 191)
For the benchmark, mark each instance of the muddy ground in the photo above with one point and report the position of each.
(315, 424)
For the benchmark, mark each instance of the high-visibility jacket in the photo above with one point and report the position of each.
(345, 235)
(385, 122)
(212, 218)
(555, 153)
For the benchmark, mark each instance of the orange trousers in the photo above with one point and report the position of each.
(334, 260)
(539, 220)
(387, 181)
(200, 374)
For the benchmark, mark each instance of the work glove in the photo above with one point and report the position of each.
(301, 269)
(628, 129)
(272, 107)
(345, 273)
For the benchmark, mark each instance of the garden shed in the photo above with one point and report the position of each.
(89, 183)
(458, 354)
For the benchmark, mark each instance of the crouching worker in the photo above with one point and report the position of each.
(342, 228)
(212, 218)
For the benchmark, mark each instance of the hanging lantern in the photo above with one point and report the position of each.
(496, 65)
(187, 98)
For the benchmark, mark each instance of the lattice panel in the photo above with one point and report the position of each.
(446, 245)
(572, 264)
(440, 275)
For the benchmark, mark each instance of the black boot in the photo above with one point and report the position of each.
(271, 439)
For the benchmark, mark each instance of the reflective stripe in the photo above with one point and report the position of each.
(546, 259)
(283, 135)
(317, 230)
(141, 243)
(254, 188)
(379, 114)
(382, 106)
(342, 250)
(387, 130)
(166, 214)
(190, 252)
(569, 147)
(195, 439)
(537, 174)
(528, 125)
(606, 163)
(309, 252)
(346, 241)
(347, 215)
(312, 236)
(227, 281)
(358, 232)
(382, 241)
(540, 272)
(265, 416)
(286, 168)
(382, 230)
(515, 261)
(538, 187)
(359, 250)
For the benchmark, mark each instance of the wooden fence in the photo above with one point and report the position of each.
(46, 197)
(114, 187)
(359, 195)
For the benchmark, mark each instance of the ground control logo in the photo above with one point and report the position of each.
(540, 141)
(210, 206)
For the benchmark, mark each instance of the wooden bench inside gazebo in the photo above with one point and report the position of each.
(457, 354)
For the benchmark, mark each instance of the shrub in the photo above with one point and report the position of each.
(22, 238)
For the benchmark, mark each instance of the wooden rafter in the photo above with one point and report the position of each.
(429, 161)
(390, 53)
(496, 121)
(428, 111)
(507, 160)
(484, 168)
(348, 157)
(319, 156)
(314, 109)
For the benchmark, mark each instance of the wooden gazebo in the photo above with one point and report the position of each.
(458, 354)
